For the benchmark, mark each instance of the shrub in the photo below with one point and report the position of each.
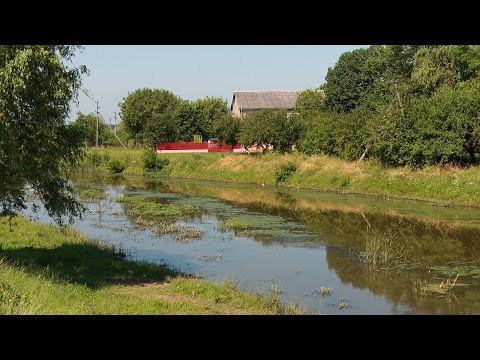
(151, 161)
(95, 159)
(333, 134)
(106, 156)
(116, 166)
(284, 172)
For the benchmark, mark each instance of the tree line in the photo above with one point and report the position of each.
(401, 104)
(411, 105)
(151, 116)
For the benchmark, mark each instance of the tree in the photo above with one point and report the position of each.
(427, 130)
(337, 134)
(466, 60)
(197, 118)
(87, 124)
(370, 76)
(37, 146)
(348, 81)
(310, 103)
(271, 127)
(139, 107)
(448, 65)
(433, 68)
(189, 121)
(286, 130)
(257, 130)
(227, 129)
(161, 128)
(210, 109)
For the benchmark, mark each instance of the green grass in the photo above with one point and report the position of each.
(140, 206)
(458, 268)
(443, 186)
(180, 233)
(265, 227)
(237, 223)
(49, 270)
(383, 250)
(90, 195)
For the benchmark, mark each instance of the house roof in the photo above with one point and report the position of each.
(255, 100)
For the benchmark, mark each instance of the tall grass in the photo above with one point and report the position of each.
(383, 249)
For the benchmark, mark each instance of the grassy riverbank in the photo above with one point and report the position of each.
(444, 186)
(48, 270)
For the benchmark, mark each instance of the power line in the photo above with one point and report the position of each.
(101, 118)
(109, 128)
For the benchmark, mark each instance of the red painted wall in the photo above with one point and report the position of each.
(212, 146)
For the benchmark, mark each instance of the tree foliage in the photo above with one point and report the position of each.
(161, 128)
(37, 146)
(409, 105)
(368, 77)
(210, 109)
(188, 121)
(142, 109)
(227, 129)
(433, 67)
(310, 103)
(139, 108)
(349, 81)
(336, 134)
(87, 125)
(270, 127)
(198, 117)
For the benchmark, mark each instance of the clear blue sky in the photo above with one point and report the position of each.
(198, 71)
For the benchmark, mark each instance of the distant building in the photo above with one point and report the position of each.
(247, 102)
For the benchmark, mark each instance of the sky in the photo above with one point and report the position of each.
(198, 71)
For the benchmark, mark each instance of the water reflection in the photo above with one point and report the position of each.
(304, 240)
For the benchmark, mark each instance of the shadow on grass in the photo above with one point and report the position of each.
(88, 264)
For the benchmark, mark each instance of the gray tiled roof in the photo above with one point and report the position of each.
(253, 100)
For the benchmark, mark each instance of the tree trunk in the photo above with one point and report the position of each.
(471, 152)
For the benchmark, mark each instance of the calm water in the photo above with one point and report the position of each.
(301, 241)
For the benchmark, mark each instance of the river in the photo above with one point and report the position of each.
(309, 247)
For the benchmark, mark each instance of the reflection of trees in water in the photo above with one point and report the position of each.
(428, 244)
(402, 287)
(425, 244)
(158, 186)
(286, 198)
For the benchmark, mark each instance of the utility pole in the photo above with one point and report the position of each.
(85, 131)
(115, 128)
(120, 141)
(97, 122)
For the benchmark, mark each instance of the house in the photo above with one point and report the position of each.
(247, 102)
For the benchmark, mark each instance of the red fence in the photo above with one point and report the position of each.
(210, 146)
(213, 147)
(195, 147)
(183, 146)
